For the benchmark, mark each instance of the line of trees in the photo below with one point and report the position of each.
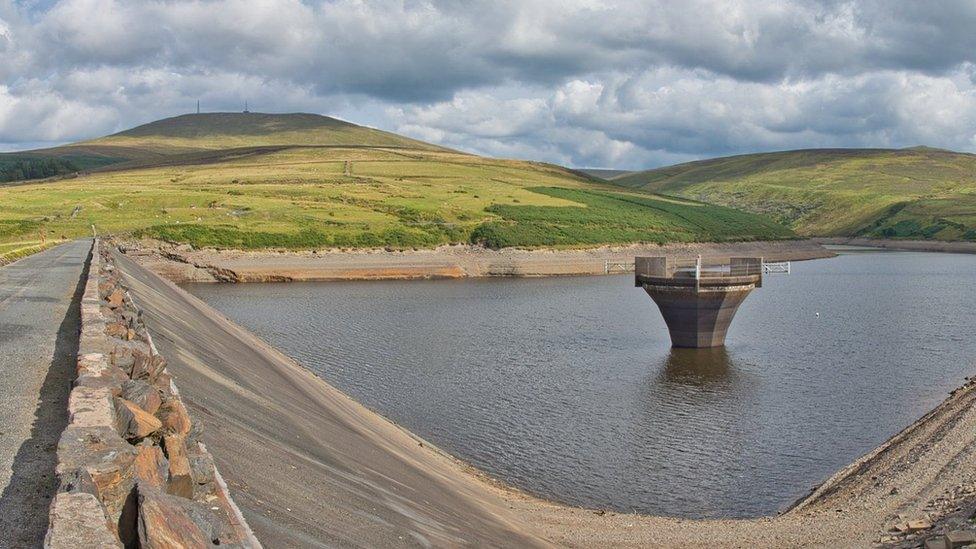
(21, 168)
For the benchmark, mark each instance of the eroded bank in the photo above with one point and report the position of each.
(183, 264)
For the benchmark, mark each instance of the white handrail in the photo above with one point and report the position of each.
(776, 267)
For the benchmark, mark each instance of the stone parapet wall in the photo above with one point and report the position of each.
(131, 467)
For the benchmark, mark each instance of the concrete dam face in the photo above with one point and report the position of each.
(698, 301)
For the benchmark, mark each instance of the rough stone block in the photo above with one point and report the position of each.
(94, 342)
(151, 468)
(116, 329)
(115, 299)
(133, 422)
(123, 354)
(94, 328)
(106, 288)
(113, 482)
(146, 366)
(164, 382)
(142, 394)
(174, 417)
(91, 312)
(918, 525)
(180, 482)
(98, 462)
(94, 371)
(109, 383)
(92, 364)
(82, 446)
(91, 407)
(201, 471)
(959, 538)
(167, 522)
(77, 520)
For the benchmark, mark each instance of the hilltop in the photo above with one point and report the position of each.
(198, 136)
(216, 131)
(302, 181)
(917, 193)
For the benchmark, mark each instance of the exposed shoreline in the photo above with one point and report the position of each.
(941, 246)
(182, 264)
(925, 473)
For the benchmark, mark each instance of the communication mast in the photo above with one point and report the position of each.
(245, 107)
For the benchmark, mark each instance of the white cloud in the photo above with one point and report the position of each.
(626, 83)
(667, 114)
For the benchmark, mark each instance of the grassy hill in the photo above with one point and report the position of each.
(217, 131)
(304, 182)
(918, 193)
(204, 134)
(606, 174)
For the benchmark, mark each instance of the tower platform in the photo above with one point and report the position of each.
(698, 299)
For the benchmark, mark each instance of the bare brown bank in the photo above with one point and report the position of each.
(310, 466)
(183, 264)
(957, 247)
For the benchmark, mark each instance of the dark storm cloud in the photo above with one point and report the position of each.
(583, 82)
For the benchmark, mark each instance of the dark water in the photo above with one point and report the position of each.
(568, 387)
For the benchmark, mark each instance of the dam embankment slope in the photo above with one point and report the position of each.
(311, 467)
(308, 465)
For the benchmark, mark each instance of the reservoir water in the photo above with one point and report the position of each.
(568, 387)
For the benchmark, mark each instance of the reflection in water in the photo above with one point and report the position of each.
(697, 367)
(569, 388)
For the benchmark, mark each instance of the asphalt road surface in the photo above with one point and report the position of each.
(40, 300)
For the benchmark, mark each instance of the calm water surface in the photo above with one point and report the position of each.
(568, 387)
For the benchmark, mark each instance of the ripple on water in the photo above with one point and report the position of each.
(568, 387)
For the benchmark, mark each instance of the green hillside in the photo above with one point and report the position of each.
(211, 131)
(254, 181)
(917, 193)
(195, 137)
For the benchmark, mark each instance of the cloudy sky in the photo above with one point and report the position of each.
(624, 84)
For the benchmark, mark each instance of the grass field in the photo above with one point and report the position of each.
(915, 193)
(401, 194)
(12, 251)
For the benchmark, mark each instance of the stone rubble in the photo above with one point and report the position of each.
(131, 467)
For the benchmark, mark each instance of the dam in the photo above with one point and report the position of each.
(698, 299)
(760, 385)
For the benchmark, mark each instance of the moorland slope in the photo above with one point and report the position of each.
(302, 181)
(916, 193)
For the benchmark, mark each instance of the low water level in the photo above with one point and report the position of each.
(568, 387)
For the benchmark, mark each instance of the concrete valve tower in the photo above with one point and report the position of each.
(698, 300)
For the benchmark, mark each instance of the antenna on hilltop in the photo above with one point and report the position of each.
(198, 106)
(245, 107)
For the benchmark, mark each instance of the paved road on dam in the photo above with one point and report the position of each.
(39, 323)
